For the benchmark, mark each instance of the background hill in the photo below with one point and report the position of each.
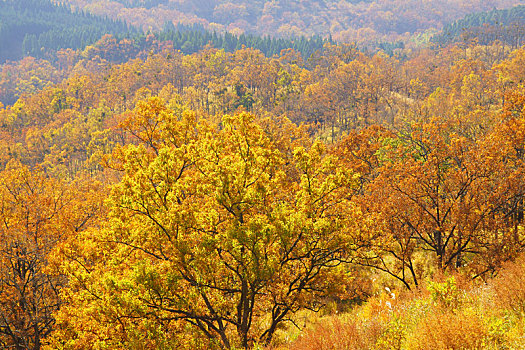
(346, 20)
(39, 28)
(30, 27)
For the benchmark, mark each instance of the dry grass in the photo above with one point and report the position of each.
(509, 287)
(336, 334)
(444, 329)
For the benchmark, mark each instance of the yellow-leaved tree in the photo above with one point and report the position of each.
(218, 233)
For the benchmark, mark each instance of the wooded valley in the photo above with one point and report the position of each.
(264, 193)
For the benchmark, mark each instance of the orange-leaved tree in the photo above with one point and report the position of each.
(443, 193)
(37, 212)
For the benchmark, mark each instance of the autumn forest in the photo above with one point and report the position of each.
(262, 175)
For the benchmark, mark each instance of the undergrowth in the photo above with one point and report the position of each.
(449, 312)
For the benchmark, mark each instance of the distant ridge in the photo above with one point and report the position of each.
(504, 25)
